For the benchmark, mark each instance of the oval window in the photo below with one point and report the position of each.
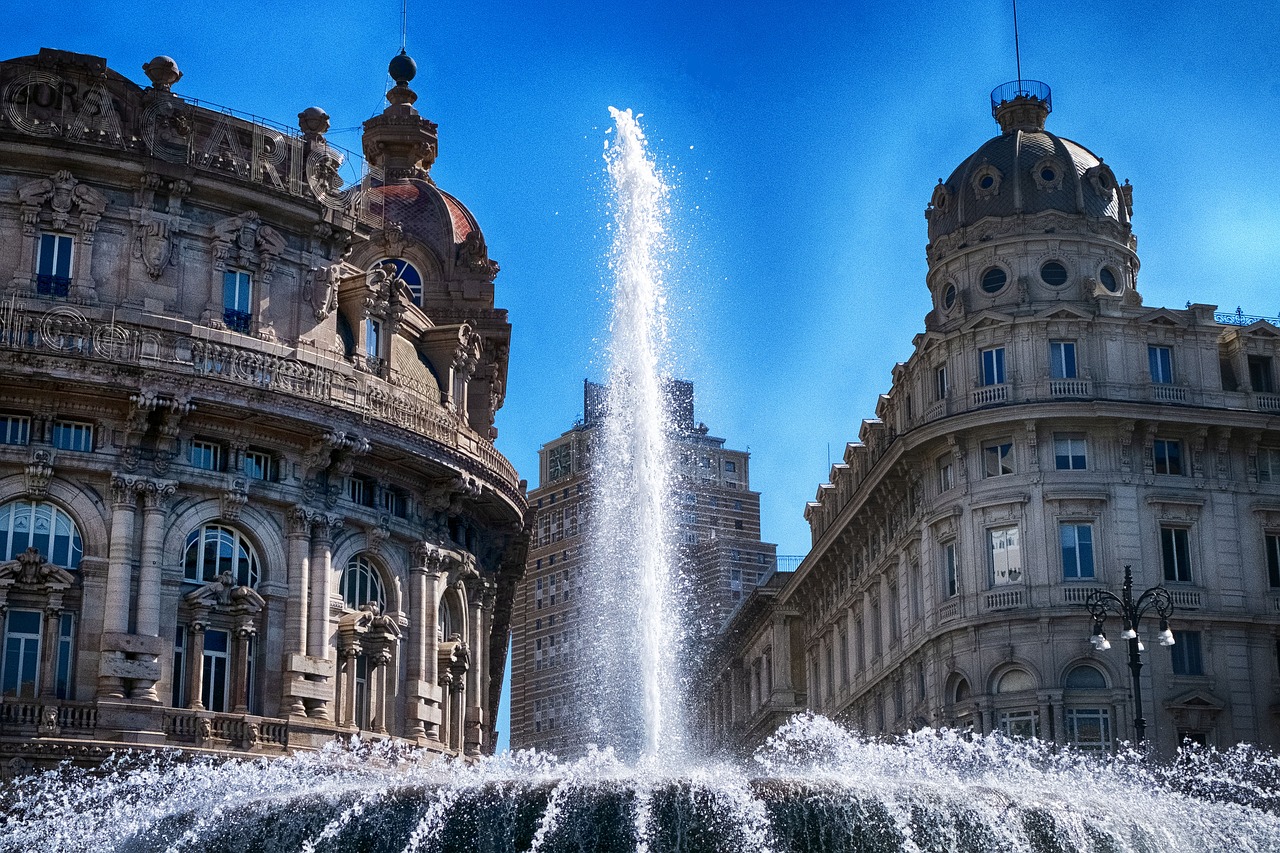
(1109, 280)
(1048, 175)
(987, 182)
(1053, 274)
(994, 279)
(949, 297)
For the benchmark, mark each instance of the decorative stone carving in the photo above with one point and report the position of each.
(314, 124)
(39, 472)
(986, 181)
(234, 498)
(321, 289)
(473, 255)
(63, 193)
(163, 72)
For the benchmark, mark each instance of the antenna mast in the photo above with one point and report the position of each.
(1017, 50)
(404, 21)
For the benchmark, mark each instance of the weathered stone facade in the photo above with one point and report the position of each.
(1048, 430)
(249, 496)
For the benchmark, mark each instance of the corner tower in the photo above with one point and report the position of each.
(1029, 218)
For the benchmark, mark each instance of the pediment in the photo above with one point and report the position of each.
(1163, 317)
(1195, 700)
(1260, 329)
(926, 341)
(986, 320)
(1064, 312)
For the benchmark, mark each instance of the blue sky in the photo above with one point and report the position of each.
(802, 142)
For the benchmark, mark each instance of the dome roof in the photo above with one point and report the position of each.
(425, 213)
(1025, 170)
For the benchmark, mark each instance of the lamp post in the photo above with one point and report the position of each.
(1101, 603)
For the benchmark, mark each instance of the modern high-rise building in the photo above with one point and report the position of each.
(719, 535)
(249, 498)
(1049, 431)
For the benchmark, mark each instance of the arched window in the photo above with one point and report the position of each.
(43, 526)
(214, 549)
(361, 584)
(1084, 677)
(1015, 681)
(962, 691)
(446, 623)
(407, 273)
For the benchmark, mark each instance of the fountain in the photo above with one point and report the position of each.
(814, 787)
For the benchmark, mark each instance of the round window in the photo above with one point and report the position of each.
(949, 297)
(993, 280)
(1053, 274)
(1109, 280)
(1048, 175)
(987, 182)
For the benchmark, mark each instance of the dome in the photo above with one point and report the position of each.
(1025, 170)
(427, 214)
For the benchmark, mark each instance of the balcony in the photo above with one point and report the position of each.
(238, 321)
(1070, 388)
(1185, 599)
(990, 395)
(949, 610)
(1004, 599)
(1168, 394)
(1077, 594)
(53, 285)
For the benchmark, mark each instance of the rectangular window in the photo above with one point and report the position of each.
(206, 455)
(1185, 652)
(21, 661)
(15, 429)
(1160, 363)
(859, 650)
(1175, 552)
(1273, 560)
(361, 490)
(1019, 724)
(877, 629)
(844, 658)
(372, 337)
(1167, 456)
(1260, 377)
(831, 669)
(261, 465)
(895, 620)
(940, 386)
(1070, 452)
(993, 366)
(237, 295)
(394, 502)
(1089, 728)
(73, 435)
(731, 467)
(53, 265)
(997, 459)
(216, 669)
(1062, 359)
(946, 474)
(179, 667)
(1077, 551)
(1269, 465)
(950, 578)
(1005, 555)
(63, 682)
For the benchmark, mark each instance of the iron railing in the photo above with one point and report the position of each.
(1031, 89)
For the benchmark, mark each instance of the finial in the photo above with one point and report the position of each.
(162, 72)
(314, 123)
(402, 69)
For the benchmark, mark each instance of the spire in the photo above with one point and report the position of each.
(398, 140)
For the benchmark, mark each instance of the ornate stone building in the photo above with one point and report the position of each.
(1048, 430)
(249, 498)
(719, 521)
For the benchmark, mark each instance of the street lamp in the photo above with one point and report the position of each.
(1101, 602)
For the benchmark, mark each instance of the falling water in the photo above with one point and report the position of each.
(638, 628)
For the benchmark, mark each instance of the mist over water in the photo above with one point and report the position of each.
(632, 688)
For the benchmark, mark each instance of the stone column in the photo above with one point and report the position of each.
(147, 619)
(299, 556)
(124, 510)
(474, 713)
(446, 720)
(240, 638)
(458, 701)
(418, 646)
(379, 667)
(431, 642)
(321, 582)
(781, 676)
(347, 688)
(195, 663)
(49, 656)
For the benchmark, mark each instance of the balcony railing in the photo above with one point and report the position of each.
(990, 394)
(1070, 388)
(948, 611)
(53, 285)
(1185, 599)
(18, 716)
(1077, 594)
(188, 726)
(400, 400)
(1168, 394)
(238, 321)
(1004, 599)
